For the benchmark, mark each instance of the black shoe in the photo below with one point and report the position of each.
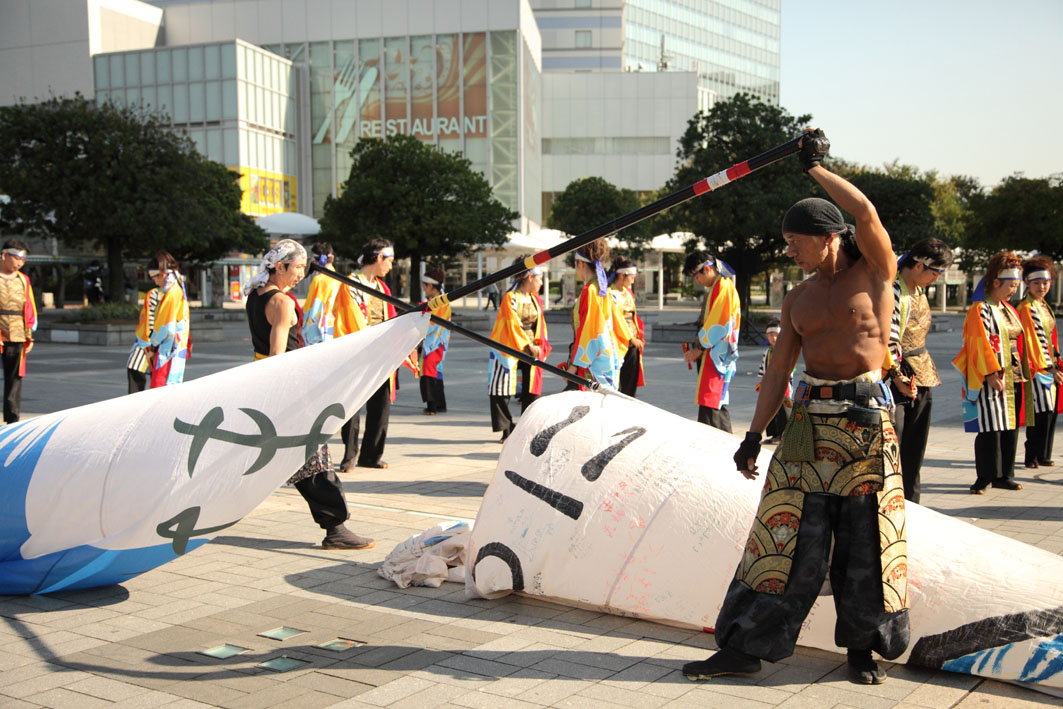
(1007, 484)
(863, 669)
(379, 465)
(1031, 464)
(339, 537)
(1047, 463)
(978, 489)
(724, 662)
(347, 467)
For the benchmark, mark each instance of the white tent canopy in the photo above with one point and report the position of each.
(289, 223)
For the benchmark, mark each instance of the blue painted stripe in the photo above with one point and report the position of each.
(16, 468)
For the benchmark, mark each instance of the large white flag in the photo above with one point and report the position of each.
(95, 495)
(611, 503)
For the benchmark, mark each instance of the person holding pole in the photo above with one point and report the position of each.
(622, 276)
(835, 473)
(716, 347)
(913, 375)
(435, 347)
(598, 333)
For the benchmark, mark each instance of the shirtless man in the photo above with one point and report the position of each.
(835, 472)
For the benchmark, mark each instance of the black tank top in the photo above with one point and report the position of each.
(260, 327)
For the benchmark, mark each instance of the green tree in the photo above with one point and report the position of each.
(741, 222)
(428, 202)
(1019, 214)
(591, 201)
(119, 179)
(904, 200)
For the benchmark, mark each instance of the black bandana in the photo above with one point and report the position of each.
(816, 217)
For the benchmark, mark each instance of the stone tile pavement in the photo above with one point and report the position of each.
(140, 644)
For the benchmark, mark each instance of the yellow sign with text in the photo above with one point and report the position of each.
(265, 192)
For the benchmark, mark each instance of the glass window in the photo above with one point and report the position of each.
(102, 96)
(162, 67)
(200, 139)
(117, 75)
(228, 61)
(213, 90)
(583, 3)
(397, 71)
(583, 39)
(165, 101)
(369, 120)
(180, 65)
(231, 151)
(132, 97)
(195, 63)
(180, 103)
(195, 102)
(245, 156)
(215, 149)
(147, 68)
(228, 100)
(260, 109)
(132, 70)
(212, 61)
(100, 72)
(147, 95)
(296, 52)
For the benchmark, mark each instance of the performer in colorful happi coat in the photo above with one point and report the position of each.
(716, 347)
(778, 424)
(622, 276)
(520, 325)
(320, 303)
(1044, 395)
(434, 348)
(275, 320)
(993, 374)
(912, 372)
(18, 322)
(165, 337)
(142, 356)
(599, 332)
(375, 262)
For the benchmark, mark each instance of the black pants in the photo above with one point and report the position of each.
(777, 424)
(629, 371)
(766, 625)
(435, 400)
(377, 413)
(501, 418)
(12, 381)
(324, 495)
(1041, 437)
(912, 427)
(717, 418)
(994, 451)
(138, 381)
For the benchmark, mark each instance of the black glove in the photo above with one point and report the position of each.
(750, 448)
(814, 147)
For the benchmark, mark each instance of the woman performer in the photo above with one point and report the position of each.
(1043, 400)
(520, 325)
(435, 347)
(598, 331)
(162, 334)
(622, 277)
(276, 321)
(993, 374)
(319, 306)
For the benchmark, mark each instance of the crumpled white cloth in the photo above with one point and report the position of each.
(429, 558)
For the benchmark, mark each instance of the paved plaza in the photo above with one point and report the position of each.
(140, 644)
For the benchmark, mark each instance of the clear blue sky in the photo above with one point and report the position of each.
(970, 87)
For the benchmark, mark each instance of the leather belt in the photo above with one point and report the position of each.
(914, 351)
(860, 393)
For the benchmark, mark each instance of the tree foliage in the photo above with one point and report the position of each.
(118, 179)
(1019, 214)
(591, 201)
(741, 222)
(426, 201)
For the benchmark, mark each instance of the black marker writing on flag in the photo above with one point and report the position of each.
(568, 506)
(542, 439)
(593, 468)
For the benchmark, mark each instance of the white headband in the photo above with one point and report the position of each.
(1009, 274)
(628, 271)
(581, 257)
(1039, 276)
(535, 271)
(21, 253)
(927, 261)
(773, 328)
(429, 279)
(388, 252)
(284, 251)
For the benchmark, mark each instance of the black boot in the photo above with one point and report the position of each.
(863, 669)
(339, 537)
(724, 662)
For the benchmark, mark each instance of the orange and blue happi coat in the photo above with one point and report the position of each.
(503, 375)
(599, 337)
(718, 336)
(435, 345)
(987, 349)
(319, 308)
(170, 336)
